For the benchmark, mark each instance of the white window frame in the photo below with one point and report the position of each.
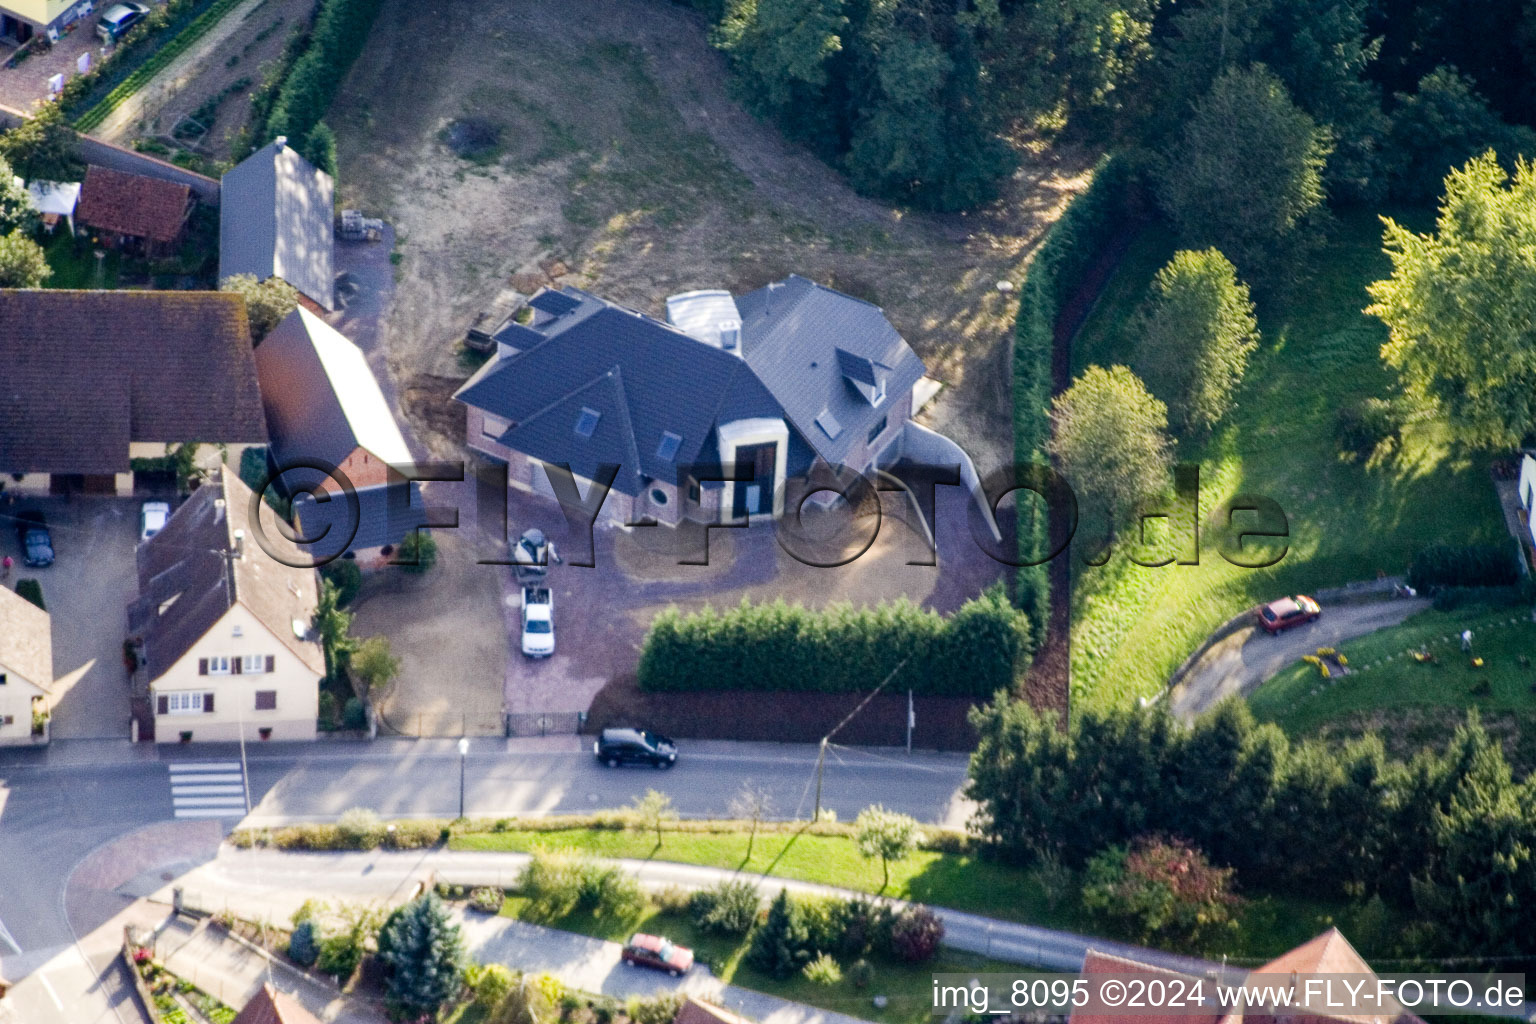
(218, 664)
(253, 664)
(184, 702)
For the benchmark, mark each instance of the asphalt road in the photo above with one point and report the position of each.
(56, 806)
(1243, 661)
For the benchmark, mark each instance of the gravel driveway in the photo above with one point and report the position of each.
(1240, 663)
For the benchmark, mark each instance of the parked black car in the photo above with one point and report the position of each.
(634, 746)
(36, 542)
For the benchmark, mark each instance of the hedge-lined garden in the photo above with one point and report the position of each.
(163, 37)
(840, 649)
(1069, 251)
(301, 100)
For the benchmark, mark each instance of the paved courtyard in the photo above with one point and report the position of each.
(27, 83)
(87, 590)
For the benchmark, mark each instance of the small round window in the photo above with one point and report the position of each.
(658, 495)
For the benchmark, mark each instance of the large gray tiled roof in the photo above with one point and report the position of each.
(641, 377)
(819, 351)
(277, 218)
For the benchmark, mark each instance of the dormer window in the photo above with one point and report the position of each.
(586, 423)
(879, 393)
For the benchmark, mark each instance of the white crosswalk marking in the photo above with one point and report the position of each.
(207, 789)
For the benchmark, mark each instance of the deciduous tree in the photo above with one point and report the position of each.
(1197, 331)
(1111, 437)
(266, 302)
(1461, 305)
(1245, 174)
(888, 835)
(22, 261)
(1442, 125)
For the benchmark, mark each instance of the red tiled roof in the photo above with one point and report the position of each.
(269, 1006)
(131, 204)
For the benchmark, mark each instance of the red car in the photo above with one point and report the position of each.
(1287, 612)
(659, 953)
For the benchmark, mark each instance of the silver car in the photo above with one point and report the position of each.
(118, 19)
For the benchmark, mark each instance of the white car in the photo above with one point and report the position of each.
(152, 519)
(538, 622)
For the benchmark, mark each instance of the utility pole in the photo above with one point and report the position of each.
(821, 757)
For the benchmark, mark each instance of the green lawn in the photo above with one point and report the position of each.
(74, 264)
(1347, 520)
(1269, 925)
(1385, 680)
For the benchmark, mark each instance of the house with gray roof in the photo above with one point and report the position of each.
(768, 385)
(277, 214)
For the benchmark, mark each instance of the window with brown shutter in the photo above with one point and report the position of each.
(208, 703)
(202, 666)
(266, 700)
(235, 666)
(271, 663)
(162, 705)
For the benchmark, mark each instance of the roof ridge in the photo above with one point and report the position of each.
(617, 376)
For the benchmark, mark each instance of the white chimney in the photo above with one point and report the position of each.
(280, 142)
(730, 334)
(218, 510)
(239, 543)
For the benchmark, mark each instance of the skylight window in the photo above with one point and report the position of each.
(829, 424)
(586, 423)
(667, 450)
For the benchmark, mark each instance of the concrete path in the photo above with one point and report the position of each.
(271, 884)
(593, 965)
(1239, 664)
(233, 971)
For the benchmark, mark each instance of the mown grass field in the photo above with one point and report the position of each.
(1268, 925)
(1417, 702)
(1348, 519)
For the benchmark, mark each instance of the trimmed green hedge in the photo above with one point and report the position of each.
(340, 33)
(840, 649)
(193, 30)
(1470, 565)
(1069, 250)
(32, 590)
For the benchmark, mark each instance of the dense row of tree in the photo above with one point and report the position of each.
(911, 97)
(1449, 834)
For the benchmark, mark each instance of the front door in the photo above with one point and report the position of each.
(755, 496)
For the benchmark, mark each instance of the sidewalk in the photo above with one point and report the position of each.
(271, 884)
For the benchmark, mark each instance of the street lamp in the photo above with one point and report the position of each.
(463, 753)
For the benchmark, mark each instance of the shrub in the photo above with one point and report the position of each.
(32, 591)
(343, 572)
(1470, 565)
(1159, 889)
(328, 709)
(861, 975)
(1366, 426)
(823, 970)
(839, 649)
(659, 1009)
(674, 899)
(417, 553)
(413, 835)
(726, 908)
(487, 900)
(781, 947)
(490, 984)
(303, 948)
(916, 934)
(821, 916)
(340, 955)
(863, 926)
(359, 828)
(422, 952)
(354, 715)
(558, 883)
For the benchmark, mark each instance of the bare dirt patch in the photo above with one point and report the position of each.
(618, 154)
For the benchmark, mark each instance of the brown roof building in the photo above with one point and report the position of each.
(222, 623)
(269, 1006)
(94, 378)
(133, 210)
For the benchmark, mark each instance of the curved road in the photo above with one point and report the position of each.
(1239, 664)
